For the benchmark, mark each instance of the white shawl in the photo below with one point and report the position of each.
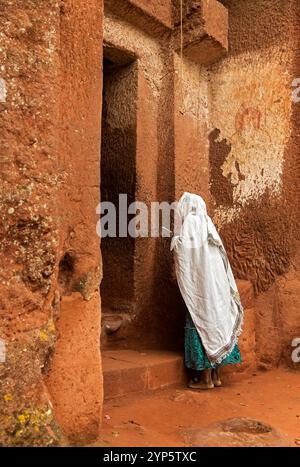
(205, 279)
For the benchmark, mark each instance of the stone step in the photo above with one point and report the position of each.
(128, 371)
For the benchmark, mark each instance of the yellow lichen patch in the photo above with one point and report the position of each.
(51, 326)
(23, 418)
(32, 421)
(8, 397)
(43, 336)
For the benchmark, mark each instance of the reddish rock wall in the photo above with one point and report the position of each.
(191, 115)
(29, 228)
(171, 156)
(154, 178)
(228, 131)
(231, 127)
(51, 66)
(159, 9)
(75, 379)
(152, 16)
(277, 321)
(252, 138)
(201, 30)
(79, 268)
(254, 154)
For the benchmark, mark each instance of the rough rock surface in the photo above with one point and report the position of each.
(277, 322)
(227, 131)
(50, 132)
(236, 432)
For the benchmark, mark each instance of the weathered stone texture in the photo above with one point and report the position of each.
(40, 142)
(237, 432)
(152, 16)
(160, 10)
(75, 379)
(252, 129)
(79, 265)
(220, 122)
(201, 32)
(28, 229)
(254, 157)
(277, 322)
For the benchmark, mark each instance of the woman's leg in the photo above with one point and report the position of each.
(194, 376)
(216, 377)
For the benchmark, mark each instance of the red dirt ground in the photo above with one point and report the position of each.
(158, 419)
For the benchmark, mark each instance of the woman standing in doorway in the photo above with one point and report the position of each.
(215, 314)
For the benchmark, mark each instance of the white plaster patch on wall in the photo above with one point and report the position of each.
(224, 215)
(251, 106)
(3, 90)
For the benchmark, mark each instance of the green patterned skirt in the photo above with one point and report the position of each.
(195, 356)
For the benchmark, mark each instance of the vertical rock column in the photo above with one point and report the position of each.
(50, 108)
(75, 378)
(30, 177)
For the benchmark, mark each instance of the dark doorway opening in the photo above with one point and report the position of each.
(118, 176)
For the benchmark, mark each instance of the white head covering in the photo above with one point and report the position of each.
(191, 204)
(188, 229)
(205, 279)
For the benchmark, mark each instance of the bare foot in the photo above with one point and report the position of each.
(216, 378)
(200, 385)
(205, 381)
